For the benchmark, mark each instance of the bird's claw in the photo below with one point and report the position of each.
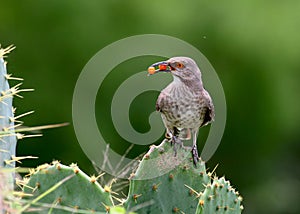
(175, 141)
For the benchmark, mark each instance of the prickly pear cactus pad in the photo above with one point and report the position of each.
(164, 183)
(219, 197)
(75, 191)
(8, 140)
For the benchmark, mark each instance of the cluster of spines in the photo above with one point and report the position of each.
(8, 121)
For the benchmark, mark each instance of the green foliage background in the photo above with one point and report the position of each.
(253, 45)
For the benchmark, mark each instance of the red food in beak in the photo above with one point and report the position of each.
(162, 67)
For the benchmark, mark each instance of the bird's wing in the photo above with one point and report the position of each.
(209, 110)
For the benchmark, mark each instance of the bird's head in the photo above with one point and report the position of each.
(183, 68)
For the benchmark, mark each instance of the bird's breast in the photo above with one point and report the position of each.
(181, 107)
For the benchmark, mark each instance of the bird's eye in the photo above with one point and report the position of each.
(179, 65)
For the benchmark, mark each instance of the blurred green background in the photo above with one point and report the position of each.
(253, 45)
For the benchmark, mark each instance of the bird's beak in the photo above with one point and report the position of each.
(159, 67)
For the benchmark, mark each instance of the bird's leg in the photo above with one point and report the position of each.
(195, 155)
(194, 148)
(176, 140)
(173, 138)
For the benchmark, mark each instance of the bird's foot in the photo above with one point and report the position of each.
(175, 141)
(195, 155)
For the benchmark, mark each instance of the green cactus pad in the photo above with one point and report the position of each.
(219, 197)
(165, 183)
(76, 191)
(8, 140)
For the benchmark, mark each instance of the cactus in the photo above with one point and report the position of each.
(163, 183)
(174, 191)
(65, 189)
(8, 140)
(219, 197)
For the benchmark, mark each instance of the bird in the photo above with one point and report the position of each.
(185, 105)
